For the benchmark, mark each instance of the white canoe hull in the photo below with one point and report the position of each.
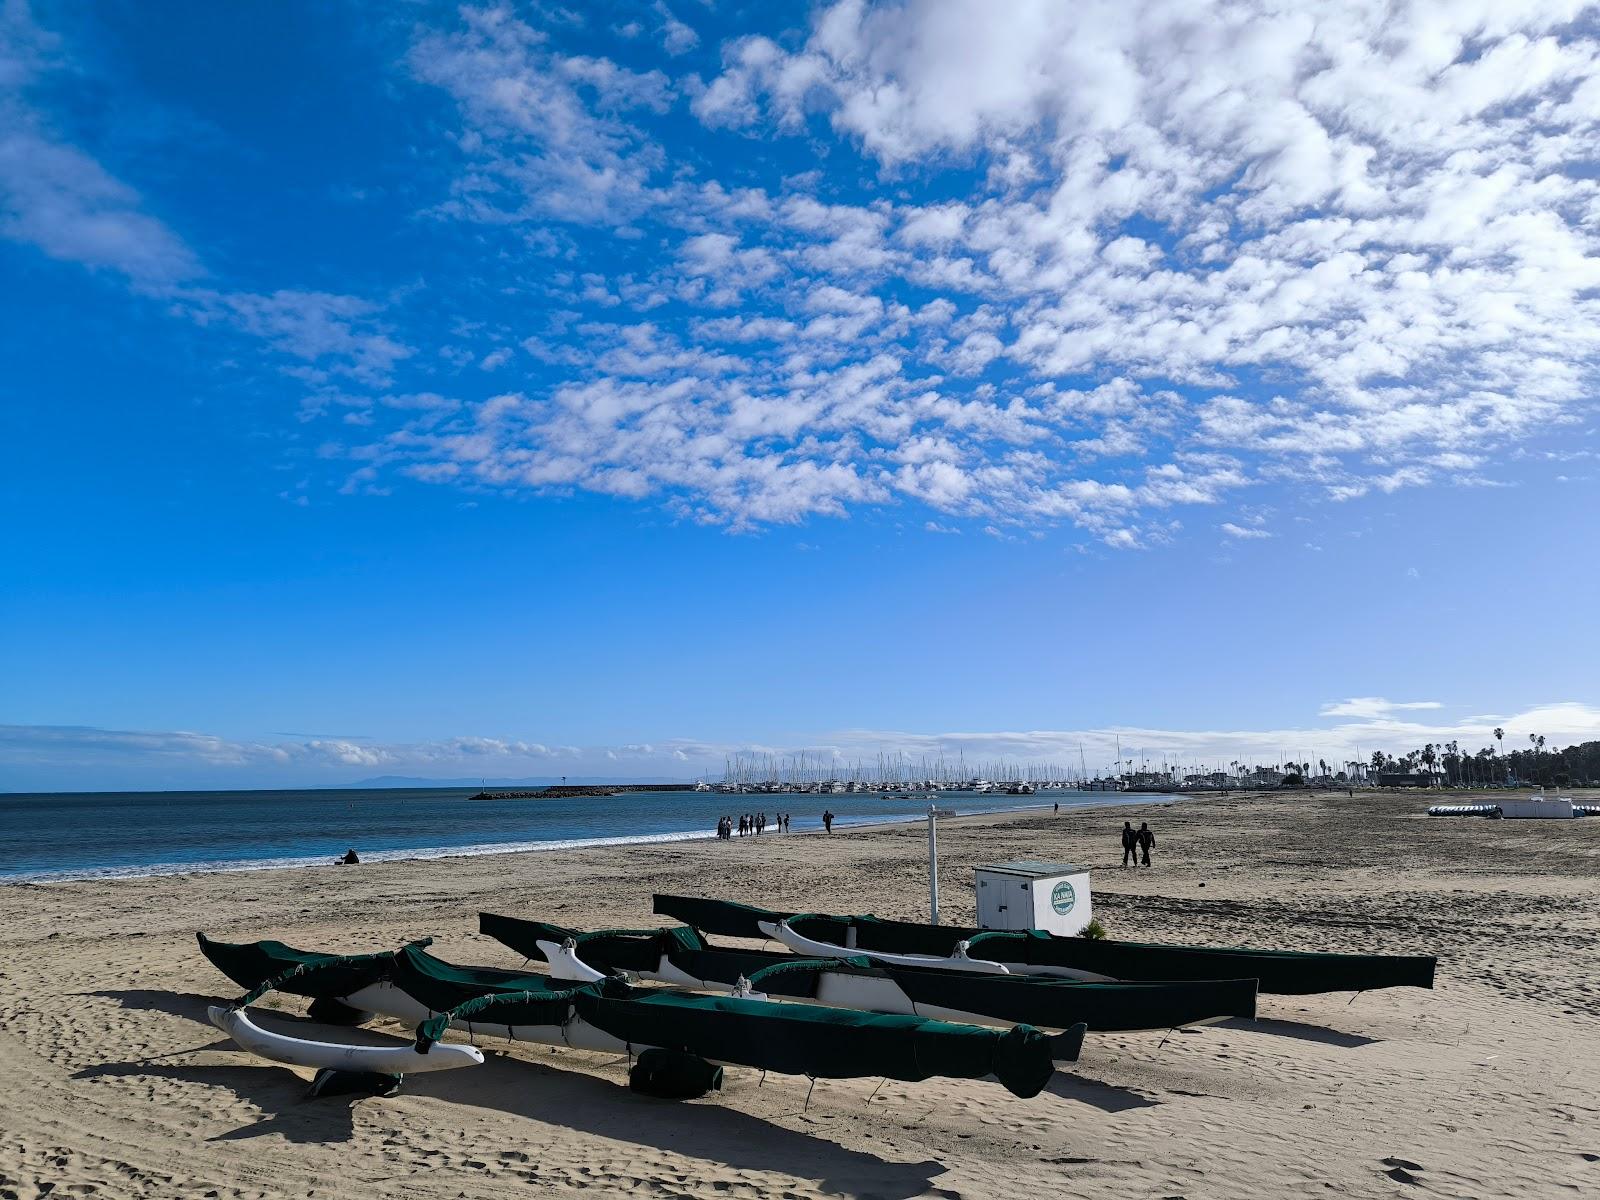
(305, 1052)
(577, 1034)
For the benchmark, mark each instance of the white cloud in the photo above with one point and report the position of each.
(1374, 707)
(1377, 215)
(545, 130)
(676, 37)
(57, 198)
(1118, 260)
(1240, 531)
(49, 753)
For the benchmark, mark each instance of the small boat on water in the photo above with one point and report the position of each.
(611, 1016)
(1032, 952)
(680, 956)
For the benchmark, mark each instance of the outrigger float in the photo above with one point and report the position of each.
(991, 952)
(611, 1016)
(680, 956)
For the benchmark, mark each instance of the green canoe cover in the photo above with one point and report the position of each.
(802, 1040)
(1019, 999)
(299, 972)
(825, 1043)
(1285, 972)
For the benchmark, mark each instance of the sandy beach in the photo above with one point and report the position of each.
(1486, 1086)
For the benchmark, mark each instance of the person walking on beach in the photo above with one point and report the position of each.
(1130, 844)
(1147, 841)
(827, 821)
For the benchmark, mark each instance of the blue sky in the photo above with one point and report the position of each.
(522, 391)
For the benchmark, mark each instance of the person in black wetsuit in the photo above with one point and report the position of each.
(1130, 844)
(1147, 841)
(827, 820)
(350, 857)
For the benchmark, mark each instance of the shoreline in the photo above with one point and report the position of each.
(510, 849)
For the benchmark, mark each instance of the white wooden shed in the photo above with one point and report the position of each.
(1051, 896)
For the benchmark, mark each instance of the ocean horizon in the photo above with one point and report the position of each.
(57, 837)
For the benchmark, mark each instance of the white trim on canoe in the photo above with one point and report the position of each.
(959, 961)
(835, 989)
(811, 948)
(305, 1052)
(577, 1034)
(565, 963)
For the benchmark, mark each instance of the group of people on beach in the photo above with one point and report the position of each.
(751, 825)
(1136, 842)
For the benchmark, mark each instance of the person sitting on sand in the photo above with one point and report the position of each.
(350, 858)
(1146, 840)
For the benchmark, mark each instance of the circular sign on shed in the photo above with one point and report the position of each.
(1063, 898)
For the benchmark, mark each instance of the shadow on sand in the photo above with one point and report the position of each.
(177, 1004)
(1299, 1030)
(1107, 1097)
(275, 1090)
(709, 1130)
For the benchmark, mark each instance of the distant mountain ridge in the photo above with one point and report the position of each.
(413, 781)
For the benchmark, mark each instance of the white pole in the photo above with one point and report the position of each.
(933, 866)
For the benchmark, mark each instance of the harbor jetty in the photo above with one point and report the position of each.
(562, 791)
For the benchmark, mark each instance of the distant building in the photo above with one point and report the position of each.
(1418, 779)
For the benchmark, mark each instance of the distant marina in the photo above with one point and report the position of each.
(899, 776)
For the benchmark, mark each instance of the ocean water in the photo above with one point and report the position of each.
(46, 837)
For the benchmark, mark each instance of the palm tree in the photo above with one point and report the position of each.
(1500, 736)
(1538, 750)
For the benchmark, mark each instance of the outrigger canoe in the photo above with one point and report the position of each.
(1282, 972)
(681, 957)
(612, 1017)
(338, 1056)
